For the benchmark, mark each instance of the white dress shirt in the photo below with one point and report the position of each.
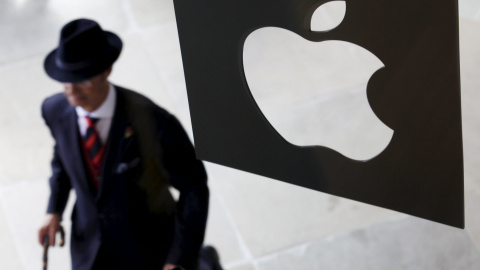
(104, 113)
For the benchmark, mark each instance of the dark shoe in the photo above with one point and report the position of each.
(209, 259)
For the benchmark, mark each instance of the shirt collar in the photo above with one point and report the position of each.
(106, 110)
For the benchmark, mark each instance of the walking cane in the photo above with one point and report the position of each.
(46, 240)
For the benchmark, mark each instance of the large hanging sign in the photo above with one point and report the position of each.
(416, 94)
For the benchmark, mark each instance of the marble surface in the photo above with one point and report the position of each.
(470, 64)
(256, 223)
(9, 253)
(24, 205)
(402, 243)
(148, 13)
(164, 49)
(31, 27)
(272, 215)
(469, 9)
(242, 267)
(24, 135)
(222, 233)
(136, 70)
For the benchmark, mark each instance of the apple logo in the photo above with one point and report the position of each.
(308, 103)
(314, 93)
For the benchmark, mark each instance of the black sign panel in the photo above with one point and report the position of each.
(416, 94)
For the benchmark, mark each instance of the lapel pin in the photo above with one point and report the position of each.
(128, 132)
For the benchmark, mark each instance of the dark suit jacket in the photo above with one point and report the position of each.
(133, 214)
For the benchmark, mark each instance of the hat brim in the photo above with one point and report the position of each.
(103, 63)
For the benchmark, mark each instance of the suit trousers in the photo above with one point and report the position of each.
(107, 260)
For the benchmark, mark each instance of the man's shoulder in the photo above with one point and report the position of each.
(54, 104)
(138, 102)
(57, 99)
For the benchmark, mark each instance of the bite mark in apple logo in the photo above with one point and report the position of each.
(314, 93)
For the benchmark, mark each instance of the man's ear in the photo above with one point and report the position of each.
(107, 72)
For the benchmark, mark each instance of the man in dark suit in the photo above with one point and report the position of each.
(120, 152)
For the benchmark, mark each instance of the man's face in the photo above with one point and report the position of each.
(88, 94)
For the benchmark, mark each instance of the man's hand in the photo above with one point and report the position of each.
(50, 227)
(169, 266)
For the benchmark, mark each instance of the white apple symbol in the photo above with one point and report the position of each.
(314, 93)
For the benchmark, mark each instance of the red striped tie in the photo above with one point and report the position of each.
(94, 148)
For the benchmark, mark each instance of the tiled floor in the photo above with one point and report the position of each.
(398, 244)
(256, 223)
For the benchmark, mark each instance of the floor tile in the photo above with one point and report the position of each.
(241, 267)
(25, 205)
(164, 50)
(135, 70)
(25, 136)
(271, 215)
(32, 27)
(403, 244)
(472, 201)
(151, 12)
(9, 257)
(470, 64)
(469, 9)
(220, 232)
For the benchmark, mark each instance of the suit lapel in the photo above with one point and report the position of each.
(116, 138)
(73, 148)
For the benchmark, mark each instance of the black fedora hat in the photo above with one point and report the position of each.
(84, 50)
